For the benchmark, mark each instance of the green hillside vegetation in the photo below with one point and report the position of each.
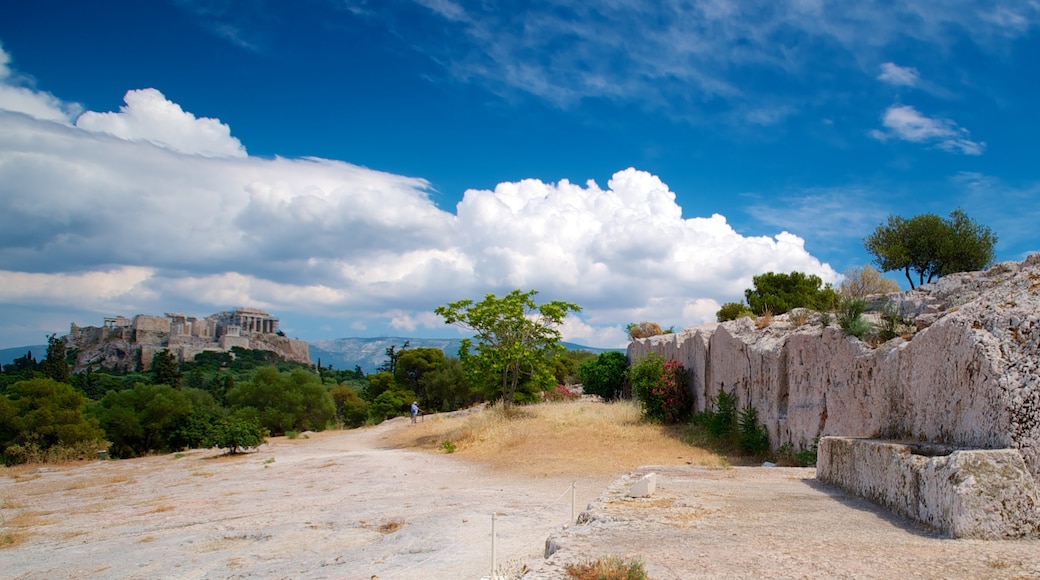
(227, 400)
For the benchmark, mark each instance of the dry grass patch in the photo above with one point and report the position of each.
(557, 439)
(15, 528)
(390, 527)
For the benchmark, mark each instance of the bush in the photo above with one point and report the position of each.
(733, 311)
(236, 434)
(663, 389)
(643, 330)
(40, 414)
(604, 375)
(850, 318)
(351, 409)
(560, 393)
(753, 438)
(609, 568)
(779, 293)
(392, 403)
(722, 421)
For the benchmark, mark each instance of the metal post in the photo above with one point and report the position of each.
(494, 564)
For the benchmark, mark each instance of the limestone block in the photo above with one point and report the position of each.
(645, 487)
(963, 493)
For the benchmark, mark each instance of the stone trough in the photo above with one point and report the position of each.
(961, 493)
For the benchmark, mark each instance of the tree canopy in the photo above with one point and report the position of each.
(605, 375)
(516, 339)
(931, 246)
(55, 366)
(778, 293)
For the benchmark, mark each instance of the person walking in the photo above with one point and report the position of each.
(415, 410)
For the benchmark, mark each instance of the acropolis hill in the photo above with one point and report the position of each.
(130, 344)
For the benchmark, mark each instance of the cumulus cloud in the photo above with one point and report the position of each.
(320, 236)
(150, 116)
(152, 209)
(906, 123)
(894, 74)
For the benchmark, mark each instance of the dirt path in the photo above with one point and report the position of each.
(341, 504)
(335, 505)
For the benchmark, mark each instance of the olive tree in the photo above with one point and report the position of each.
(514, 340)
(931, 246)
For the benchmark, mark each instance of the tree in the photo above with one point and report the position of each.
(516, 339)
(43, 413)
(865, 281)
(236, 433)
(351, 409)
(566, 364)
(778, 293)
(446, 386)
(413, 365)
(282, 402)
(56, 365)
(604, 375)
(164, 369)
(144, 419)
(392, 355)
(931, 246)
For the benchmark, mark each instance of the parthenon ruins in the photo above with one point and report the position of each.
(128, 343)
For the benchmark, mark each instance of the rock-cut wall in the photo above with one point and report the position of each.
(968, 377)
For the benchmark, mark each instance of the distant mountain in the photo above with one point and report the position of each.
(7, 355)
(369, 353)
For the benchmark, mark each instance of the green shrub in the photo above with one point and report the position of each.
(237, 434)
(392, 403)
(786, 455)
(721, 422)
(448, 446)
(850, 318)
(733, 311)
(604, 375)
(40, 414)
(807, 457)
(753, 438)
(663, 389)
(351, 409)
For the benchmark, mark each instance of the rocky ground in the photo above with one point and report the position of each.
(341, 504)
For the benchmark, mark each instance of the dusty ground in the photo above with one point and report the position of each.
(351, 504)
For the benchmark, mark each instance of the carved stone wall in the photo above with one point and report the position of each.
(968, 378)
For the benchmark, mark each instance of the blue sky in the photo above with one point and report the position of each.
(350, 165)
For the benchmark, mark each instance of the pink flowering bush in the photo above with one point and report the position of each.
(663, 389)
(560, 393)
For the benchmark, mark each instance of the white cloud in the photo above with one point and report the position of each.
(319, 236)
(906, 123)
(152, 209)
(688, 52)
(20, 99)
(149, 116)
(894, 74)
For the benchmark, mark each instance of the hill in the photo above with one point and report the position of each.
(7, 355)
(369, 353)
